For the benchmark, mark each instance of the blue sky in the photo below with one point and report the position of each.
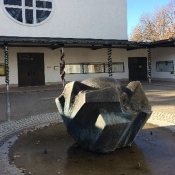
(135, 8)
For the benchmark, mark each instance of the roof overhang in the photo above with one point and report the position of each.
(163, 43)
(55, 43)
(93, 44)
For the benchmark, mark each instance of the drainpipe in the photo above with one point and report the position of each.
(6, 61)
(149, 65)
(110, 62)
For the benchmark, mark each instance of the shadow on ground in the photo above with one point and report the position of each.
(52, 151)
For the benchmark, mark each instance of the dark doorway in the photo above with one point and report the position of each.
(31, 69)
(137, 68)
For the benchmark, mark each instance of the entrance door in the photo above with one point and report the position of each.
(31, 69)
(137, 68)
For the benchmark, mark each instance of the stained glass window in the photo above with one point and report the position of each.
(29, 16)
(16, 13)
(29, 12)
(29, 3)
(43, 4)
(13, 2)
(41, 15)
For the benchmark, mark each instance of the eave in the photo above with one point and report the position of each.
(55, 43)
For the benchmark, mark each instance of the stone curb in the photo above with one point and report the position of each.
(166, 85)
(8, 138)
(31, 90)
(161, 116)
(10, 128)
(163, 120)
(5, 167)
(163, 124)
(59, 87)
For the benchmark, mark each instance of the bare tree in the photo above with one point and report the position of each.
(156, 26)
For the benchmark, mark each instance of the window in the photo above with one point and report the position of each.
(2, 69)
(16, 13)
(116, 67)
(29, 3)
(12, 2)
(93, 68)
(165, 66)
(86, 68)
(29, 16)
(30, 12)
(41, 15)
(73, 69)
(43, 4)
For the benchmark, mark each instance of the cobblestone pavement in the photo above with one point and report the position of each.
(162, 100)
(161, 97)
(7, 137)
(8, 129)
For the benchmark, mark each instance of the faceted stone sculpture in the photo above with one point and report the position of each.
(101, 114)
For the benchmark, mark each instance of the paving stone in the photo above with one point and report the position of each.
(163, 115)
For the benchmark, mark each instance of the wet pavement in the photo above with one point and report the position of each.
(146, 156)
(32, 106)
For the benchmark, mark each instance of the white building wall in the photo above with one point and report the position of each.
(94, 56)
(77, 55)
(51, 59)
(80, 55)
(98, 19)
(162, 54)
(73, 55)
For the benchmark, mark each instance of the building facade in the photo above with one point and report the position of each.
(34, 32)
(97, 19)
